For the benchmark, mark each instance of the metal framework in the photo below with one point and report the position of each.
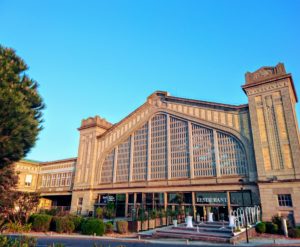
(167, 147)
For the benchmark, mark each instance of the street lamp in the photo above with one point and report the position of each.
(243, 205)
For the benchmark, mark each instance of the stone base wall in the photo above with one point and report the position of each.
(269, 200)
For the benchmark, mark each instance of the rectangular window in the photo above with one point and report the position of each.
(131, 198)
(58, 180)
(28, 180)
(80, 201)
(285, 200)
(48, 180)
(68, 180)
(79, 205)
(44, 181)
(63, 179)
(53, 180)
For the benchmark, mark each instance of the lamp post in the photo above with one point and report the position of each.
(243, 205)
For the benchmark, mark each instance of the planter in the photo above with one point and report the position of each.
(158, 222)
(136, 226)
(189, 221)
(144, 225)
(175, 223)
(152, 224)
(161, 221)
(210, 217)
(169, 220)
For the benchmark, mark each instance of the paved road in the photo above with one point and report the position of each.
(84, 242)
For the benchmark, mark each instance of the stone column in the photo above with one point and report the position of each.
(165, 200)
(228, 202)
(193, 205)
(126, 204)
(115, 165)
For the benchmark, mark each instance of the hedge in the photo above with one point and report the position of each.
(260, 227)
(109, 227)
(122, 226)
(271, 228)
(40, 222)
(63, 224)
(294, 233)
(77, 220)
(93, 226)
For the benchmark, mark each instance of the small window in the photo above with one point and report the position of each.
(80, 200)
(28, 180)
(285, 200)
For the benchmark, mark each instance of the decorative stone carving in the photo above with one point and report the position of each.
(265, 73)
(267, 87)
(95, 121)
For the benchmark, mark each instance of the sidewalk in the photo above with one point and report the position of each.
(259, 241)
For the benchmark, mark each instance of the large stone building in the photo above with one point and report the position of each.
(203, 151)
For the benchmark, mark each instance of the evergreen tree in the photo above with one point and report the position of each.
(20, 108)
(20, 122)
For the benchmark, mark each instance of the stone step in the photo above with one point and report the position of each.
(221, 234)
(205, 229)
(193, 236)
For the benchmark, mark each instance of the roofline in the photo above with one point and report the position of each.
(121, 121)
(58, 161)
(207, 103)
(30, 161)
(166, 97)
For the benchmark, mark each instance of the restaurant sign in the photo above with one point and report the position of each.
(211, 198)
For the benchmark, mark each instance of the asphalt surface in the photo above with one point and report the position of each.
(78, 242)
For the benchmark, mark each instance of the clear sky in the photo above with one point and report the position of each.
(105, 57)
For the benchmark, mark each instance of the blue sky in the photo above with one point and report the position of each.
(105, 57)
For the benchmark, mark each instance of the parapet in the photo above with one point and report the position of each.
(95, 122)
(265, 73)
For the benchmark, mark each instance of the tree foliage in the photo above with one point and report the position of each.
(20, 108)
(20, 122)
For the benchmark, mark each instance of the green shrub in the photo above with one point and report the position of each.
(294, 233)
(153, 214)
(17, 227)
(271, 228)
(52, 211)
(99, 213)
(109, 227)
(22, 241)
(77, 220)
(63, 224)
(41, 222)
(122, 226)
(91, 226)
(161, 213)
(260, 227)
(109, 210)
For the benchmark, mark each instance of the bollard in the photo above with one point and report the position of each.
(139, 237)
(284, 227)
(187, 242)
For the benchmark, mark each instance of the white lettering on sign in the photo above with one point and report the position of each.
(211, 199)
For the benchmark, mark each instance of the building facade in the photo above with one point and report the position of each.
(194, 154)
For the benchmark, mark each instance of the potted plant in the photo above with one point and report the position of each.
(152, 220)
(161, 218)
(174, 214)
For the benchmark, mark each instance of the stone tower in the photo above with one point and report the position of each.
(272, 99)
(90, 129)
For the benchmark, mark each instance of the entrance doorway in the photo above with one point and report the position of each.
(220, 212)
